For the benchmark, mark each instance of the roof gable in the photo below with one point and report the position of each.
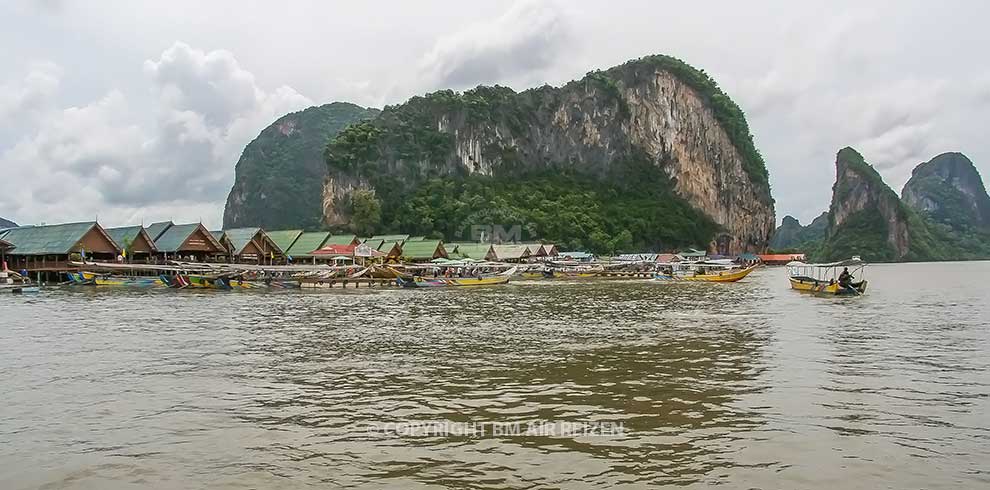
(181, 238)
(155, 230)
(137, 236)
(241, 238)
(503, 252)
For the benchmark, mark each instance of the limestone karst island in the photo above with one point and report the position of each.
(508, 245)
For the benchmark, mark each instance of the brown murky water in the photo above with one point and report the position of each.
(750, 385)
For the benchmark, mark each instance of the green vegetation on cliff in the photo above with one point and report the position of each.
(863, 233)
(867, 231)
(633, 210)
(607, 198)
(949, 190)
(279, 177)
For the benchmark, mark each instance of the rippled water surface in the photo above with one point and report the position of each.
(750, 385)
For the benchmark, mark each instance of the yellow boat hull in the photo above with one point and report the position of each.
(121, 281)
(724, 276)
(821, 287)
(434, 282)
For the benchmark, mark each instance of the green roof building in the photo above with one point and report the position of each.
(50, 247)
(189, 239)
(134, 239)
(476, 251)
(342, 240)
(284, 239)
(62, 239)
(155, 230)
(307, 243)
(252, 244)
(423, 251)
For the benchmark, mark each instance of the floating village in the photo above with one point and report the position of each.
(169, 255)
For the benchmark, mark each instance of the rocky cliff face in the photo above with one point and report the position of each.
(790, 233)
(279, 178)
(651, 119)
(949, 189)
(866, 217)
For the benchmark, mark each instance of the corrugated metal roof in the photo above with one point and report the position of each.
(477, 251)
(307, 243)
(388, 246)
(426, 249)
(176, 235)
(341, 239)
(240, 238)
(390, 238)
(374, 243)
(284, 238)
(124, 234)
(155, 230)
(415, 238)
(48, 239)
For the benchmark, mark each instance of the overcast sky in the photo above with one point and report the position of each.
(137, 111)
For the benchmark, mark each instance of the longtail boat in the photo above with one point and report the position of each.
(437, 282)
(705, 271)
(263, 283)
(825, 278)
(562, 270)
(100, 279)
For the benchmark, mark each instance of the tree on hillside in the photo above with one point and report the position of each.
(366, 213)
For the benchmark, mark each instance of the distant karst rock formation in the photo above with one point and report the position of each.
(949, 190)
(868, 219)
(278, 180)
(790, 234)
(650, 154)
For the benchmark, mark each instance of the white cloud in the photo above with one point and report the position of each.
(522, 45)
(105, 158)
(30, 95)
(900, 81)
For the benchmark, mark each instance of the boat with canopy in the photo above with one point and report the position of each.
(826, 278)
